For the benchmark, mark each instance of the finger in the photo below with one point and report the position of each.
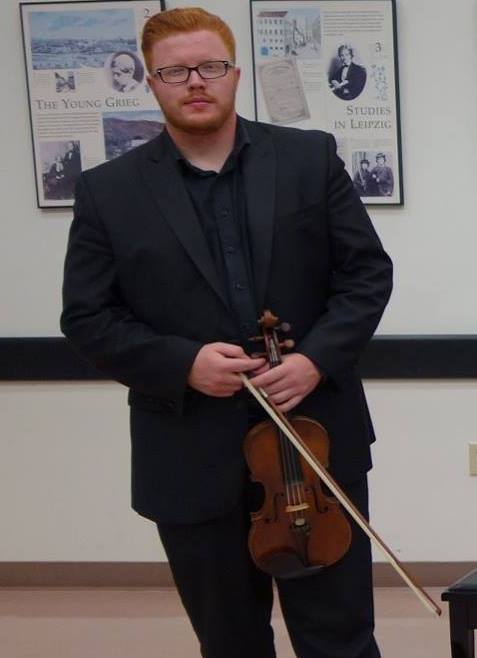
(261, 370)
(281, 396)
(268, 378)
(231, 350)
(289, 404)
(243, 365)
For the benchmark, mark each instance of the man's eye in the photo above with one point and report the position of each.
(176, 71)
(210, 67)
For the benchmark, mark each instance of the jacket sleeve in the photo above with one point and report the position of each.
(100, 325)
(360, 283)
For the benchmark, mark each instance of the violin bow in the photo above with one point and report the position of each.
(282, 422)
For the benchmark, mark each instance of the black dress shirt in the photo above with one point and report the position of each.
(219, 202)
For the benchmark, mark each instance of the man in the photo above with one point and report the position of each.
(124, 74)
(383, 176)
(175, 248)
(363, 181)
(72, 166)
(348, 80)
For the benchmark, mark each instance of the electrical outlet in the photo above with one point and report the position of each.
(472, 458)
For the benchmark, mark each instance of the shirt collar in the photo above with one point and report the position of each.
(242, 139)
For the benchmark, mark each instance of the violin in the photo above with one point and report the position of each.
(299, 529)
(284, 558)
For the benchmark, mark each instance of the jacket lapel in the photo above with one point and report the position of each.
(259, 168)
(172, 199)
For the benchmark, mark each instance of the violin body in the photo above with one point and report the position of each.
(299, 530)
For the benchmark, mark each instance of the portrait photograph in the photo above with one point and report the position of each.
(373, 174)
(124, 71)
(346, 74)
(61, 166)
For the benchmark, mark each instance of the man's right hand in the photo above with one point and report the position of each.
(216, 367)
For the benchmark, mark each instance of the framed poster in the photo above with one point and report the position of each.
(332, 65)
(87, 91)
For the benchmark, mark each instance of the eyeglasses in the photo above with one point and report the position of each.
(174, 75)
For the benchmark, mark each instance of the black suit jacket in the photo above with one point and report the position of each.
(141, 296)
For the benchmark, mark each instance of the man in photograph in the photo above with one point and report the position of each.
(72, 166)
(348, 79)
(124, 74)
(175, 250)
(383, 176)
(363, 181)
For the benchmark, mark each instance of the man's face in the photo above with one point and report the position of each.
(197, 106)
(122, 70)
(365, 166)
(345, 57)
(380, 162)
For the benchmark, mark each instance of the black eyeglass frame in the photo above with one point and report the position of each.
(227, 66)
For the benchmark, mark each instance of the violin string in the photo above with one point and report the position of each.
(284, 458)
(291, 465)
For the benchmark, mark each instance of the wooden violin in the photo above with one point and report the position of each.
(299, 529)
(289, 431)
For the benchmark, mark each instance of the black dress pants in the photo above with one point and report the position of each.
(229, 601)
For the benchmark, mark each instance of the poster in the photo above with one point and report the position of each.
(88, 96)
(332, 65)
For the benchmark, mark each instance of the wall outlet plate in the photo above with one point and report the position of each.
(472, 458)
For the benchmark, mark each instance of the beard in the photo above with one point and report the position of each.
(200, 124)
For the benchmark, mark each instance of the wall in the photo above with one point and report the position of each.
(57, 504)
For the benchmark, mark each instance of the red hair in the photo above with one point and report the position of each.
(180, 21)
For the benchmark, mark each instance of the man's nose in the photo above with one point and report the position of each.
(195, 80)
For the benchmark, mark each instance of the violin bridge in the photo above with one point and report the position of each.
(289, 509)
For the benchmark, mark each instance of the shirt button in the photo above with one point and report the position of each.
(230, 250)
(224, 214)
(239, 286)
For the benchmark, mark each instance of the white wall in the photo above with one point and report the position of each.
(58, 504)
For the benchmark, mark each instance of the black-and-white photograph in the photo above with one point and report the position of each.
(124, 131)
(124, 71)
(346, 75)
(61, 166)
(373, 173)
(285, 33)
(76, 39)
(64, 81)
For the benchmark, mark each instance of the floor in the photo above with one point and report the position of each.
(149, 623)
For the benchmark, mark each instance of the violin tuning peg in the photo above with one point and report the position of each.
(256, 339)
(287, 344)
(285, 327)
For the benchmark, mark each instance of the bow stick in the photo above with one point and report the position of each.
(281, 421)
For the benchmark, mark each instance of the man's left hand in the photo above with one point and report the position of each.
(291, 381)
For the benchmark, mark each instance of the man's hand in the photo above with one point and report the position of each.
(288, 383)
(216, 367)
